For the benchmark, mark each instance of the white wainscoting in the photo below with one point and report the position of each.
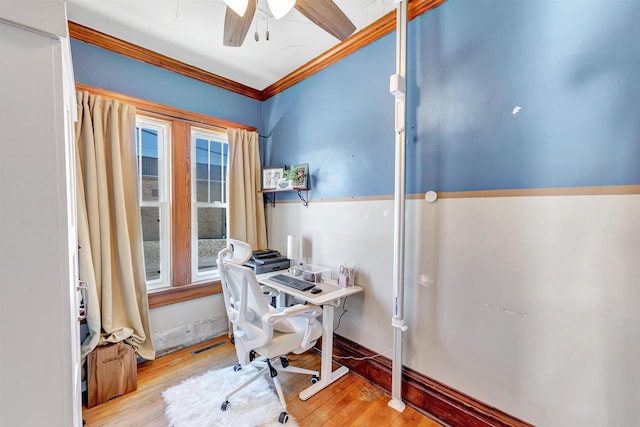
(530, 304)
(187, 323)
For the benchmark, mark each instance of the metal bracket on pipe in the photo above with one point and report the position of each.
(397, 85)
(399, 323)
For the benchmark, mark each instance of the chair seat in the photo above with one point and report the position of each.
(255, 324)
(282, 343)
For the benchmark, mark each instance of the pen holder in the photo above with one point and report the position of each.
(343, 278)
(346, 278)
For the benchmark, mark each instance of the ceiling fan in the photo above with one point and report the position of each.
(324, 13)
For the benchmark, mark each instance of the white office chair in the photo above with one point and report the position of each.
(260, 329)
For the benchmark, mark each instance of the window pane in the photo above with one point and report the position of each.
(151, 241)
(212, 226)
(215, 184)
(216, 177)
(147, 151)
(202, 165)
(211, 161)
(225, 159)
(202, 188)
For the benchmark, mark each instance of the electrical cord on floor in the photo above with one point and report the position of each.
(344, 310)
(364, 358)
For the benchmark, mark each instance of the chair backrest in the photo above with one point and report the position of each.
(243, 299)
(239, 251)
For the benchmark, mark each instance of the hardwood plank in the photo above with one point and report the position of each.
(339, 407)
(376, 412)
(413, 418)
(421, 392)
(343, 403)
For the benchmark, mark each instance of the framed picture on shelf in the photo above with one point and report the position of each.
(299, 175)
(271, 176)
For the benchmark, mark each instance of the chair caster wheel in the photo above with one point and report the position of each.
(284, 417)
(237, 367)
(225, 405)
(284, 361)
(314, 379)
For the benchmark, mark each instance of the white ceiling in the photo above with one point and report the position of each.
(191, 31)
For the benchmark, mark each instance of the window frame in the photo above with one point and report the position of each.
(163, 204)
(217, 136)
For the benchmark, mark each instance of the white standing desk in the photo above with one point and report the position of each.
(329, 298)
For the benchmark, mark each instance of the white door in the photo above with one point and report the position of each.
(75, 287)
(39, 331)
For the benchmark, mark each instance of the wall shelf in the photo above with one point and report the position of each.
(270, 196)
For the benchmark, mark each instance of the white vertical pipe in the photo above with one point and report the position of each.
(397, 321)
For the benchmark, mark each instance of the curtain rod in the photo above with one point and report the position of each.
(187, 120)
(171, 116)
(137, 102)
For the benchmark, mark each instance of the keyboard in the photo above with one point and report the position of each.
(292, 282)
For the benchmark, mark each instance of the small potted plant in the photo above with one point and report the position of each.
(295, 175)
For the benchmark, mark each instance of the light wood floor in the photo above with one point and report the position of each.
(350, 401)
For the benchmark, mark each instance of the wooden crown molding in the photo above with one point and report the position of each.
(362, 38)
(421, 392)
(105, 41)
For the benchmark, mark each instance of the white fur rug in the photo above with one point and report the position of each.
(196, 401)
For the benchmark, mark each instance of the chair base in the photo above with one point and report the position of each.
(271, 367)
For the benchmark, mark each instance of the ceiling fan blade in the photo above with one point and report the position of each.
(328, 16)
(236, 27)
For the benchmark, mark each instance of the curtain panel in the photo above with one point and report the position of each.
(246, 207)
(111, 256)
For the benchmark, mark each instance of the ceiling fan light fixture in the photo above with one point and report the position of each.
(280, 8)
(238, 6)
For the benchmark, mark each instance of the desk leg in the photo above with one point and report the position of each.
(326, 375)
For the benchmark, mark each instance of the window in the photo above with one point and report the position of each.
(153, 190)
(182, 197)
(182, 185)
(209, 154)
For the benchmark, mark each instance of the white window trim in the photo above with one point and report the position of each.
(163, 203)
(197, 276)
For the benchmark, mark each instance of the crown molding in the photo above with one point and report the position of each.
(362, 38)
(105, 41)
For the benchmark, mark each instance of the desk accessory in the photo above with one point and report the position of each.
(313, 273)
(295, 250)
(292, 282)
(346, 276)
(267, 260)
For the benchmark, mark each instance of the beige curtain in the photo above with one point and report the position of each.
(109, 229)
(246, 207)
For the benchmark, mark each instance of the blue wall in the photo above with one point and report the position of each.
(573, 67)
(340, 121)
(107, 70)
